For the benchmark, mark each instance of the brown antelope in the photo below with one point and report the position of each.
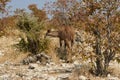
(65, 34)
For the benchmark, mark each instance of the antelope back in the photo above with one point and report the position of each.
(66, 33)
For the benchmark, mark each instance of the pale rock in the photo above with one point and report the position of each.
(82, 77)
(4, 77)
(109, 77)
(33, 66)
(38, 62)
(62, 60)
(76, 62)
(63, 77)
(50, 64)
(66, 65)
(51, 78)
(1, 53)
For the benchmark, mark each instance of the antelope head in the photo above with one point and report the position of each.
(51, 33)
(48, 31)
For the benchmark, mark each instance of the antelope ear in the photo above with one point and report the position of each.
(49, 31)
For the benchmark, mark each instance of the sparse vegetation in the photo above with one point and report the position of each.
(97, 28)
(33, 31)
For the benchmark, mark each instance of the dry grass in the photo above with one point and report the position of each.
(13, 56)
(10, 53)
(54, 42)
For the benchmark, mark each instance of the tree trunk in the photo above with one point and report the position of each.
(99, 65)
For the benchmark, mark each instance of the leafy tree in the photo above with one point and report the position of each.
(102, 23)
(3, 12)
(100, 18)
(62, 11)
(18, 12)
(3, 4)
(41, 14)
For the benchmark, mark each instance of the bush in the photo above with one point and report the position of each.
(34, 43)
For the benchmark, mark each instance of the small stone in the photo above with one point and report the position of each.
(82, 77)
(20, 74)
(76, 62)
(32, 66)
(52, 63)
(4, 77)
(1, 53)
(51, 78)
(38, 62)
(111, 77)
(63, 77)
(108, 75)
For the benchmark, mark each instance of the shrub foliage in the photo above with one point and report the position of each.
(33, 42)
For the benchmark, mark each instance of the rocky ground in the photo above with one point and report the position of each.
(50, 71)
(35, 71)
(11, 69)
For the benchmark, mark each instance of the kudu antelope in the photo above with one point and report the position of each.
(65, 34)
